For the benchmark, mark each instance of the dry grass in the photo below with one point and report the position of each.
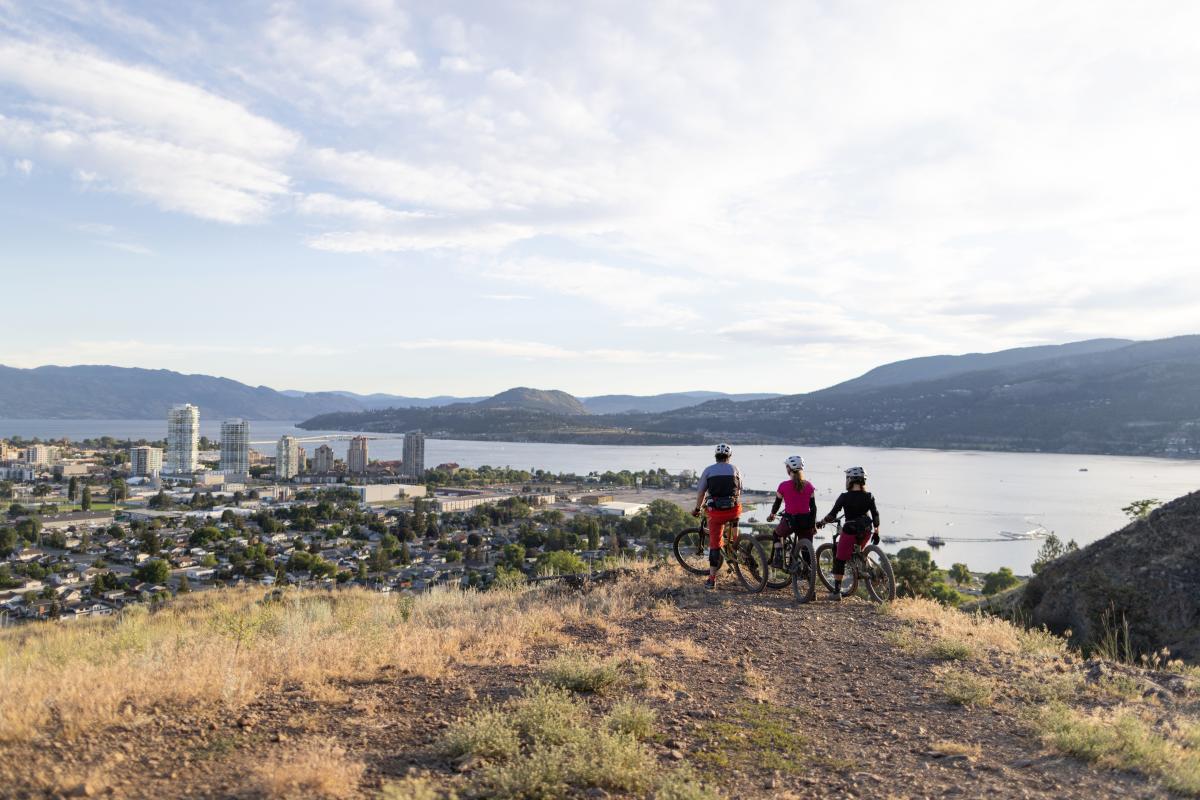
(966, 688)
(668, 648)
(1124, 739)
(632, 718)
(415, 789)
(315, 769)
(948, 747)
(581, 672)
(974, 633)
(224, 648)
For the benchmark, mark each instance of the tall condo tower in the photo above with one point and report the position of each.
(183, 440)
(287, 458)
(235, 448)
(323, 459)
(145, 462)
(356, 458)
(414, 454)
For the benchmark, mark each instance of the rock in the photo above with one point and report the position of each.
(596, 792)
(676, 755)
(279, 736)
(84, 789)
(468, 764)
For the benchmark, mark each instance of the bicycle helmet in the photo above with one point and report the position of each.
(724, 449)
(794, 463)
(856, 474)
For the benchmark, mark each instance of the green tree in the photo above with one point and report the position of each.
(513, 556)
(85, 499)
(154, 570)
(560, 562)
(999, 580)
(42, 489)
(118, 490)
(185, 585)
(915, 572)
(8, 542)
(1051, 550)
(73, 489)
(960, 574)
(1140, 509)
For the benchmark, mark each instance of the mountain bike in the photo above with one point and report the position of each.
(869, 564)
(792, 561)
(744, 555)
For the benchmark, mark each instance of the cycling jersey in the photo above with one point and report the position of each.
(721, 480)
(856, 505)
(798, 502)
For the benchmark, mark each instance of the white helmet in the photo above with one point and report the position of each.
(794, 463)
(724, 449)
(856, 473)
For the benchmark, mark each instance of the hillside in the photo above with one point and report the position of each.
(1146, 574)
(643, 687)
(526, 399)
(638, 404)
(103, 392)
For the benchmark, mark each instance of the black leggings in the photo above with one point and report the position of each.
(839, 567)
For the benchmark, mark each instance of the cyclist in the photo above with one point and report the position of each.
(720, 489)
(861, 517)
(799, 500)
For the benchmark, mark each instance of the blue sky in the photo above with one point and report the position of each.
(598, 197)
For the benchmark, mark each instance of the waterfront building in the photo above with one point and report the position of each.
(301, 460)
(183, 440)
(356, 458)
(414, 454)
(41, 455)
(8, 452)
(145, 462)
(235, 448)
(287, 456)
(323, 459)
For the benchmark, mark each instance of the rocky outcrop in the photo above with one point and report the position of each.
(1147, 575)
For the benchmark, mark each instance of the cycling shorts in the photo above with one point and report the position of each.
(800, 524)
(717, 520)
(847, 541)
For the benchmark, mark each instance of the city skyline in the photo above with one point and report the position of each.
(597, 198)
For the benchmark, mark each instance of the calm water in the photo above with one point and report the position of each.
(963, 497)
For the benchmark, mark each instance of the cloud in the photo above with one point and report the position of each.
(23, 166)
(531, 351)
(483, 238)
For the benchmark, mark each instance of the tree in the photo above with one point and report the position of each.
(960, 574)
(8, 542)
(118, 490)
(1051, 550)
(513, 556)
(185, 585)
(405, 556)
(73, 489)
(1140, 509)
(42, 489)
(560, 562)
(999, 580)
(915, 572)
(155, 570)
(85, 499)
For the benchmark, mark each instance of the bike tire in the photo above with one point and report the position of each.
(804, 572)
(825, 557)
(777, 577)
(880, 580)
(691, 550)
(751, 564)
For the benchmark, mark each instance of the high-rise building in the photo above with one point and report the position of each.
(235, 448)
(7, 451)
(287, 457)
(183, 440)
(323, 459)
(414, 454)
(145, 462)
(41, 455)
(301, 460)
(356, 458)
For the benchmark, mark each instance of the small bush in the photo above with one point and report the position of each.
(547, 715)
(950, 650)
(965, 688)
(632, 718)
(487, 734)
(581, 673)
(682, 784)
(415, 789)
(317, 769)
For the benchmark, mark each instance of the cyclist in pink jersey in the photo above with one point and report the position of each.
(799, 500)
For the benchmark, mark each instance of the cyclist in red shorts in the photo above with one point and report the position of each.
(721, 484)
(861, 517)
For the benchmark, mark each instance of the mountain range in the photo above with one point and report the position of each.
(1099, 396)
(105, 392)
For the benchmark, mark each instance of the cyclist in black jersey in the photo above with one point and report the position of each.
(861, 522)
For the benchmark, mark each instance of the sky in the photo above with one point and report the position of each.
(610, 197)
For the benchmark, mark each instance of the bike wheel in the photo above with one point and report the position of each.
(751, 564)
(779, 575)
(880, 581)
(804, 571)
(825, 558)
(691, 550)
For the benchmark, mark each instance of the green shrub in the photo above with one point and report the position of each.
(581, 673)
(632, 718)
(548, 715)
(487, 734)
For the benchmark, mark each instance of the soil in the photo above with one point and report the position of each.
(782, 700)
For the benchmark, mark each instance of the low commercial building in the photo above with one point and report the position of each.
(463, 502)
(619, 509)
(385, 492)
(77, 519)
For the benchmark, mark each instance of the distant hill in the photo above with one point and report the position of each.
(1146, 574)
(929, 368)
(628, 403)
(526, 399)
(103, 392)
(1140, 398)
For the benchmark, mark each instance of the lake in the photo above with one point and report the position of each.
(967, 498)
